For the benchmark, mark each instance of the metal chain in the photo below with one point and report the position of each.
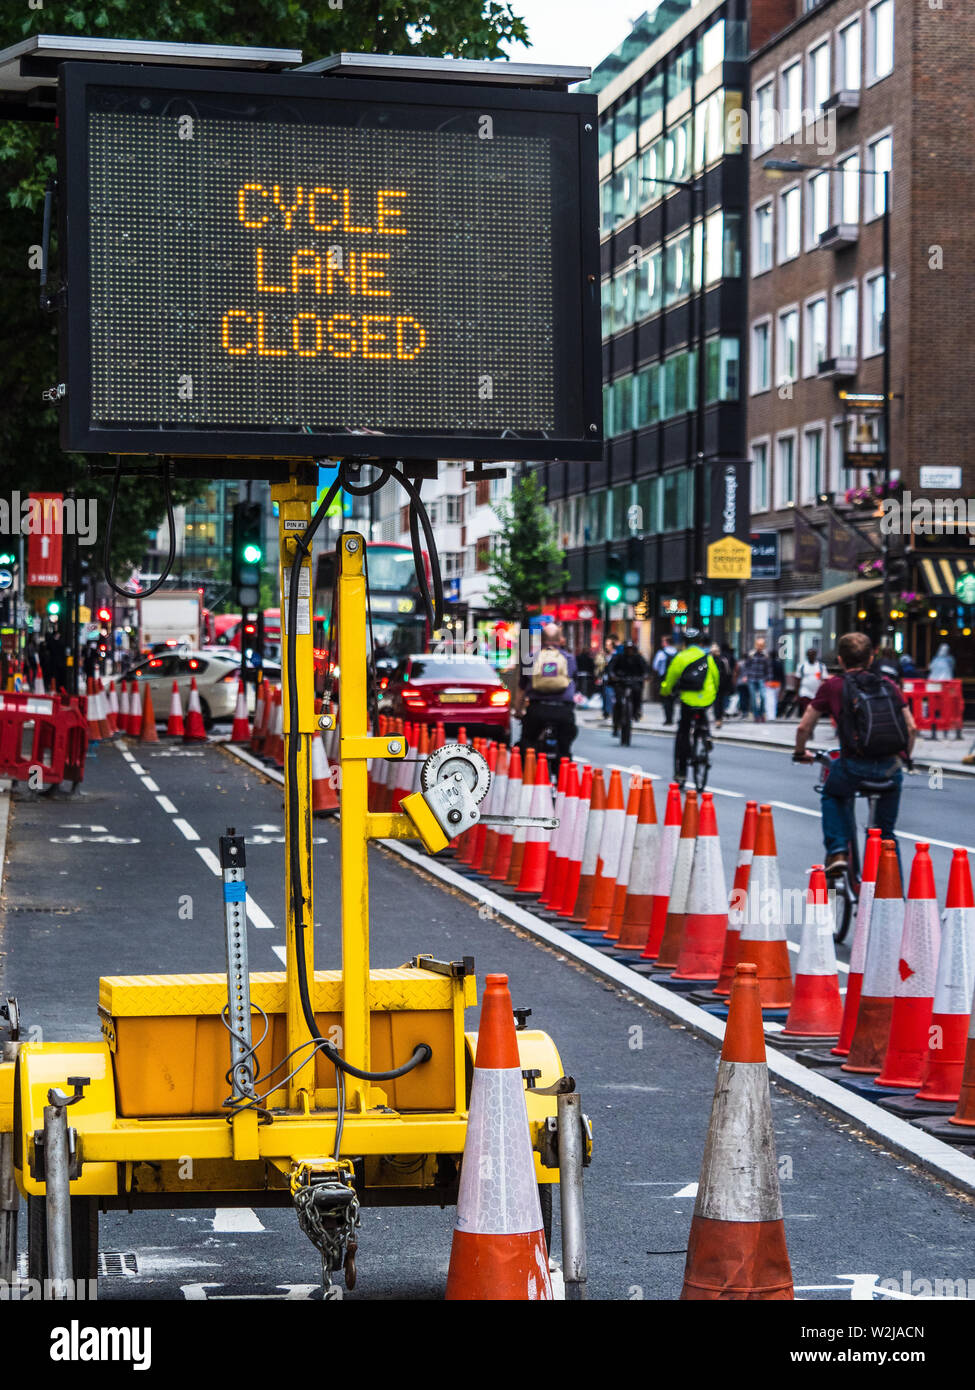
(330, 1225)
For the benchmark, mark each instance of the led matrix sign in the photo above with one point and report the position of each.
(293, 265)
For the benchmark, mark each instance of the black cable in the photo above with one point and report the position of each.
(423, 1052)
(107, 550)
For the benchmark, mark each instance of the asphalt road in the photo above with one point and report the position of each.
(95, 885)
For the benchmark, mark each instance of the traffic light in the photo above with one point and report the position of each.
(248, 553)
(104, 615)
(7, 557)
(613, 583)
(55, 606)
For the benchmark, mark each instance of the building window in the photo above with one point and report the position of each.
(649, 290)
(624, 298)
(681, 73)
(626, 119)
(763, 116)
(605, 134)
(722, 364)
(880, 161)
(675, 500)
(815, 336)
(622, 404)
(712, 48)
(607, 302)
(677, 395)
(848, 57)
(651, 168)
(625, 186)
(761, 357)
(791, 98)
(606, 206)
(760, 477)
(452, 562)
(482, 554)
(652, 98)
(454, 509)
(677, 152)
(677, 268)
(790, 224)
(787, 357)
(594, 519)
(849, 189)
(814, 477)
(819, 88)
(846, 477)
(880, 40)
(762, 239)
(785, 469)
(873, 311)
(845, 322)
(646, 401)
(817, 205)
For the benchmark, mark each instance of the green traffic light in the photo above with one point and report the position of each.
(8, 559)
(252, 554)
(612, 593)
(53, 608)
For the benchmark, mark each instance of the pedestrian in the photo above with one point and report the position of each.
(586, 667)
(725, 675)
(773, 686)
(885, 663)
(626, 671)
(758, 670)
(811, 673)
(741, 688)
(943, 666)
(906, 663)
(661, 662)
(606, 687)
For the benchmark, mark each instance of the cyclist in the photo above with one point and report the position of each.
(693, 675)
(875, 730)
(627, 669)
(546, 693)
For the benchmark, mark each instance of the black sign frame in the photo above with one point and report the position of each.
(578, 373)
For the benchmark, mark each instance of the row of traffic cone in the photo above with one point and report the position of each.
(266, 741)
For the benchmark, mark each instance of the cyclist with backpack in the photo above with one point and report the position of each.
(693, 676)
(627, 670)
(876, 732)
(546, 693)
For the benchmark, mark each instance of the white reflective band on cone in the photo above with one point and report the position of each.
(593, 836)
(739, 1175)
(706, 896)
(626, 852)
(762, 920)
(646, 848)
(498, 1193)
(611, 841)
(880, 973)
(817, 953)
(682, 876)
(861, 932)
(919, 949)
(956, 962)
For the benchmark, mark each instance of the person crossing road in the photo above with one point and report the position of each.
(693, 676)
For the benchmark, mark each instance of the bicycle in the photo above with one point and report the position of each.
(627, 689)
(699, 756)
(846, 884)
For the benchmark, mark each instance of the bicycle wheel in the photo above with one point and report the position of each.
(845, 899)
(626, 722)
(699, 756)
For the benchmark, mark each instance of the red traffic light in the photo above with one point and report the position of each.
(104, 615)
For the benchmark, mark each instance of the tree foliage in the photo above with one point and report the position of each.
(528, 562)
(30, 456)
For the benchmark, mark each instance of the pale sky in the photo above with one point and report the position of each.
(576, 32)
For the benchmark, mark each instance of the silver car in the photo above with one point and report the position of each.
(216, 680)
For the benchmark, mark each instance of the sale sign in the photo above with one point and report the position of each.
(44, 538)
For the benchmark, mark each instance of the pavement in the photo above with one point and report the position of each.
(100, 883)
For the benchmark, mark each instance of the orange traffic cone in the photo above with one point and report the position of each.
(113, 724)
(174, 728)
(945, 1062)
(564, 903)
(664, 872)
(498, 1251)
(917, 970)
(872, 1029)
(608, 862)
(557, 838)
(123, 709)
(518, 839)
(763, 940)
(134, 726)
(147, 734)
(590, 853)
(817, 1010)
(91, 714)
(502, 857)
(532, 876)
(625, 867)
(706, 923)
(39, 683)
(241, 731)
(498, 795)
(195, 732)
(324, 795)
(858, 950)
(739, 897)
(638, 907)
(481, 829)
(260, 715)
(737, 1249)
(677, 905)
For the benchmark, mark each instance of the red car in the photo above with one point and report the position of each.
(454, 690)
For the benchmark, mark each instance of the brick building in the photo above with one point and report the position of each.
(860, 87)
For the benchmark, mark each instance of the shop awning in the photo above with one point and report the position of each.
(940, 574)
(815, 603)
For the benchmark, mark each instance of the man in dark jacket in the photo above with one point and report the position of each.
(628, 664)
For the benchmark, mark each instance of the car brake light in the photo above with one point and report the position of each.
(500, 697)
(414, 699)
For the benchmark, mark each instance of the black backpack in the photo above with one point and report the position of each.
(871, 723)
(694, 675)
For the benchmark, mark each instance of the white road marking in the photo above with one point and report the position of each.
(209, 859)
(93, 840)
(236, 1219)
(149, 784)
(167, 805)
(281, 953)
(689, 1191)
(127, 755)
(258, 916)
(197, 1293)
(185, 828)
(137, 768)
(95, 829)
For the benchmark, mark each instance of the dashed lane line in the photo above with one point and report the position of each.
(256, 914)
(149, 784)
(185, 828)
(167, 805)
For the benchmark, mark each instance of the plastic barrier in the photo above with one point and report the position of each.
(45, 732)
(936, 705)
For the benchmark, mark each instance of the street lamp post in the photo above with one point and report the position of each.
(790, 166)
